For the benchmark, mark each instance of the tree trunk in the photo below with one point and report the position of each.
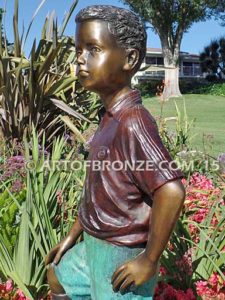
(171, 64)
(171, 88)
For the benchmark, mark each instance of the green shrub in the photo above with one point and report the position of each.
(149, 88)
(9, 217)
(217, 89)
(187, 86)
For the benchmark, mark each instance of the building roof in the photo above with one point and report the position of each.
(155, 50)
(159, 50)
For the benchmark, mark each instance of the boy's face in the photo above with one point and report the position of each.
(100, 60)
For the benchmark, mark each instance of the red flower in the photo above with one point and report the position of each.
(162, 271)
(165, 291)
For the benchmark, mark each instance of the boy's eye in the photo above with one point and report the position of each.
(95, 49)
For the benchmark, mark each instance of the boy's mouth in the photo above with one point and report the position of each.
(83, 73)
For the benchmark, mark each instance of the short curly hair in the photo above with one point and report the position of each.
(126, 26)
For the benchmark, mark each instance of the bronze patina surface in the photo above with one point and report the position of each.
(124, 208)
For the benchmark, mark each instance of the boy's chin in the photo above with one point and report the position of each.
(91, 88)
(100, 89)
(85, 85)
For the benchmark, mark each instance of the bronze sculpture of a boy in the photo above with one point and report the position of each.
(133, 198)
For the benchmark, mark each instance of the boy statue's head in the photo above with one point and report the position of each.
(110, 46)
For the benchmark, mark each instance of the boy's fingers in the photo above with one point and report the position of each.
(119, 280)
(117, 272)
(50, 256)
(48, 259)
(127, 282)
(57, 258)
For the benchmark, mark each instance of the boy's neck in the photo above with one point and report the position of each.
(110, 100)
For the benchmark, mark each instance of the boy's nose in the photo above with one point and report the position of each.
(82, 58)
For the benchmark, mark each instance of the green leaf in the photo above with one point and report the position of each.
(67, 17)
(17, 44)
(29, 27)
(69, 110)
(59, 86)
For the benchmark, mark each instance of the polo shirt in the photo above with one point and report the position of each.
(127, 163)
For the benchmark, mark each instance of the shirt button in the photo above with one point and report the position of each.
(102, 153)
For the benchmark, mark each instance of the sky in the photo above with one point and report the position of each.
(198, 36)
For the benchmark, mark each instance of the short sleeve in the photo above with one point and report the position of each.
(148, 161)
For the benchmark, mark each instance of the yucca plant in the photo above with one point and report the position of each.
(27, 85)
(45, 216)
(181, 138)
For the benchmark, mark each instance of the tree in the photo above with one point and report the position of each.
(212, 59)
(171, 19)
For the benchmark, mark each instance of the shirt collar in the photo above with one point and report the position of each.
(128, 100)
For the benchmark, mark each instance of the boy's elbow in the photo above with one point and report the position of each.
(179, 190)
(173, 191)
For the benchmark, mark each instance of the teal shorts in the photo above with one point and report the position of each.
(85, 271)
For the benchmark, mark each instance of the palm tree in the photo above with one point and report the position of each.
(212, 59)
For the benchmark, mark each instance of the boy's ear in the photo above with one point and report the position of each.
(132, 58)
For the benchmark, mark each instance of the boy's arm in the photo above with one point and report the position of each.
(167, 204)
(69, 241)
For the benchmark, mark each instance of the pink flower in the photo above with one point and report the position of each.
(221, 296)
(184, 181)
(201, 195)
(201, 287)
(214, 280)
(9, 285)
(192, 228)
(214, 221)
(21, 295)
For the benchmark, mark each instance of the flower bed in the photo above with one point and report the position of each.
(183, 274)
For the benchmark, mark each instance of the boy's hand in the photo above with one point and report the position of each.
(69, 241)
(57, 252)
(133, 273)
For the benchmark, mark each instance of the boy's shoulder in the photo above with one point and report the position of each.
(137, 116)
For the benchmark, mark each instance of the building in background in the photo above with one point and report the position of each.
(153, 66)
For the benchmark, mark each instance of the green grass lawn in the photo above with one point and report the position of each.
(208, 112)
